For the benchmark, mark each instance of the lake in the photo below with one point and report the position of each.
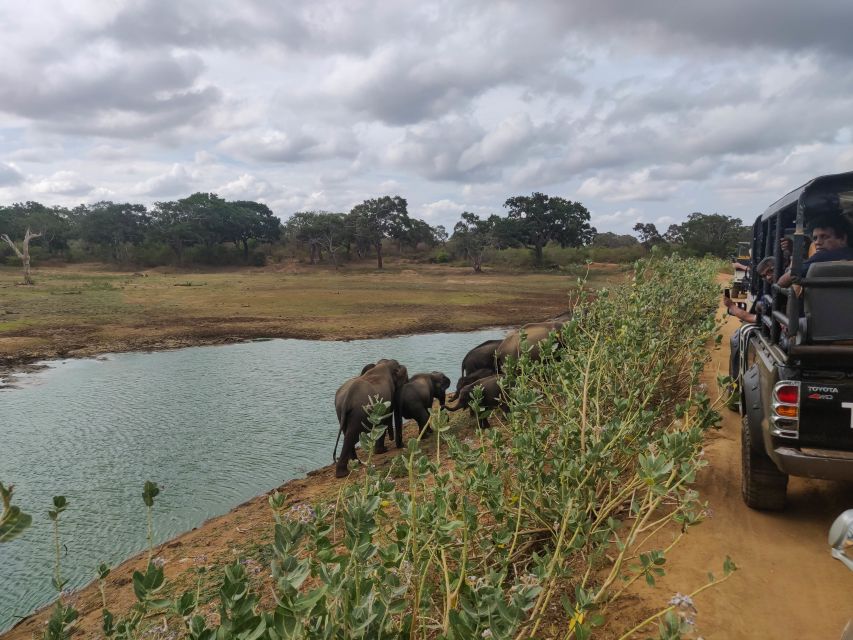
(213, 426)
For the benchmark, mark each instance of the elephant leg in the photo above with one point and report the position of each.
(482, 423)
(380, 444)
(398, 427)
(348, 452)
(422, 417)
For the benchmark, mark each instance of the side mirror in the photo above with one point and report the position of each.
(841, 537)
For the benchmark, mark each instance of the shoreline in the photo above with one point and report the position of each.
(13, 366)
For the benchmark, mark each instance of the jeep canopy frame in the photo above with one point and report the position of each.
(780, 309)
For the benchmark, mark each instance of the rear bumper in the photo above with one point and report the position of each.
(815, 463)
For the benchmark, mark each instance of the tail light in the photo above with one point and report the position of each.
(786, 409)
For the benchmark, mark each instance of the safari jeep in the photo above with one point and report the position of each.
(740, 281)
(796, 362)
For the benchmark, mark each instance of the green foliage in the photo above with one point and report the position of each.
(700, 235)
(539, 219)
(13, 522)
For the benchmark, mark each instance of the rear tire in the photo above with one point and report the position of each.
(763, 486)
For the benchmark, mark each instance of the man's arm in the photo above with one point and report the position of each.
(737, 312)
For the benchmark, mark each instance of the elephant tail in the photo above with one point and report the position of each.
(338, 439)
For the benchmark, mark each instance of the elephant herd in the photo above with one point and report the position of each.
(413, 397)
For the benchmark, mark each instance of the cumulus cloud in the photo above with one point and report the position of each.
(281, 146)
(455, 106)
(65, 183)
(177, 181)
(245, 187)
(9, 175)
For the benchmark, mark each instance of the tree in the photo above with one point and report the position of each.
(612, 240)
(247, 220)
(542, 219)
(714, 233)
(53, 223)
(440, 234)
(318, 231)
(649, 234)
(202, 218)
(380, 218)
(113, 224)
(473, 236)
(24, 252)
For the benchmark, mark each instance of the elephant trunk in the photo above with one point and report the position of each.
(455, 404)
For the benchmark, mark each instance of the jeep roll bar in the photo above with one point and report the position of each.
(779, 307)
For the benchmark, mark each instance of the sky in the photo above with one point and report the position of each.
(643, 111)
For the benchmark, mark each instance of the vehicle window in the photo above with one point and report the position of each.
(845, 201)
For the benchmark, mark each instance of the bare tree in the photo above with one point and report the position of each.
(24, 253)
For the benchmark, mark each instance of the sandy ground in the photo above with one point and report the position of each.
(787, 585)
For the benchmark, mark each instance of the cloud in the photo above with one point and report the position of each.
(734, 24)
(9, 175)
(65, 183)
(636, 186)
(281, 146)
(177, 181)
(99, 89)
(245, 187)
(321, 104)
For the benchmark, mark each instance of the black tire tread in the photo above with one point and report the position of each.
(763, 486)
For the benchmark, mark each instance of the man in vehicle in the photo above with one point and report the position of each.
(765, 272)
(830, 235)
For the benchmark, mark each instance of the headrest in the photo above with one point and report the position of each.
(836, 269)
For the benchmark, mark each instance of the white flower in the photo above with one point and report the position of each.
(682, 602)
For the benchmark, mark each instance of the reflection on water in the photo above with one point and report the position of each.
(213, 426)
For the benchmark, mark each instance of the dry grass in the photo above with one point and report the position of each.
(80, 310)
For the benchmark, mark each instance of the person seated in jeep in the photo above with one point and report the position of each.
(765, 272)
(830, 234)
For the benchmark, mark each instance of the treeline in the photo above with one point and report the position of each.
(206, 229)
(209, 230)
(701, 234)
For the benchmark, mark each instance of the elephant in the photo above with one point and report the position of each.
(417, 396)
(473, 376)
(386, 380)
(480, 357)
(493, 398)
(535, 333)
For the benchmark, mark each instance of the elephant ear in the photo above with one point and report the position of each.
(401, 374)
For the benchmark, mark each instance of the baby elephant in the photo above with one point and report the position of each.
(493, 398)
(418, 393)
(472, 377)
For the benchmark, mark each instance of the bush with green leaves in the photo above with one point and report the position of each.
(532, 528)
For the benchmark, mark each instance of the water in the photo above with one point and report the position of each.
(214, 426)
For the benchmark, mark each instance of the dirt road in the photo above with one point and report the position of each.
(787, 585)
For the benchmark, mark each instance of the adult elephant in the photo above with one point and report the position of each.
(493, 398)
(352, 403)
(480, 357)
(417, 395)
(535, 333)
